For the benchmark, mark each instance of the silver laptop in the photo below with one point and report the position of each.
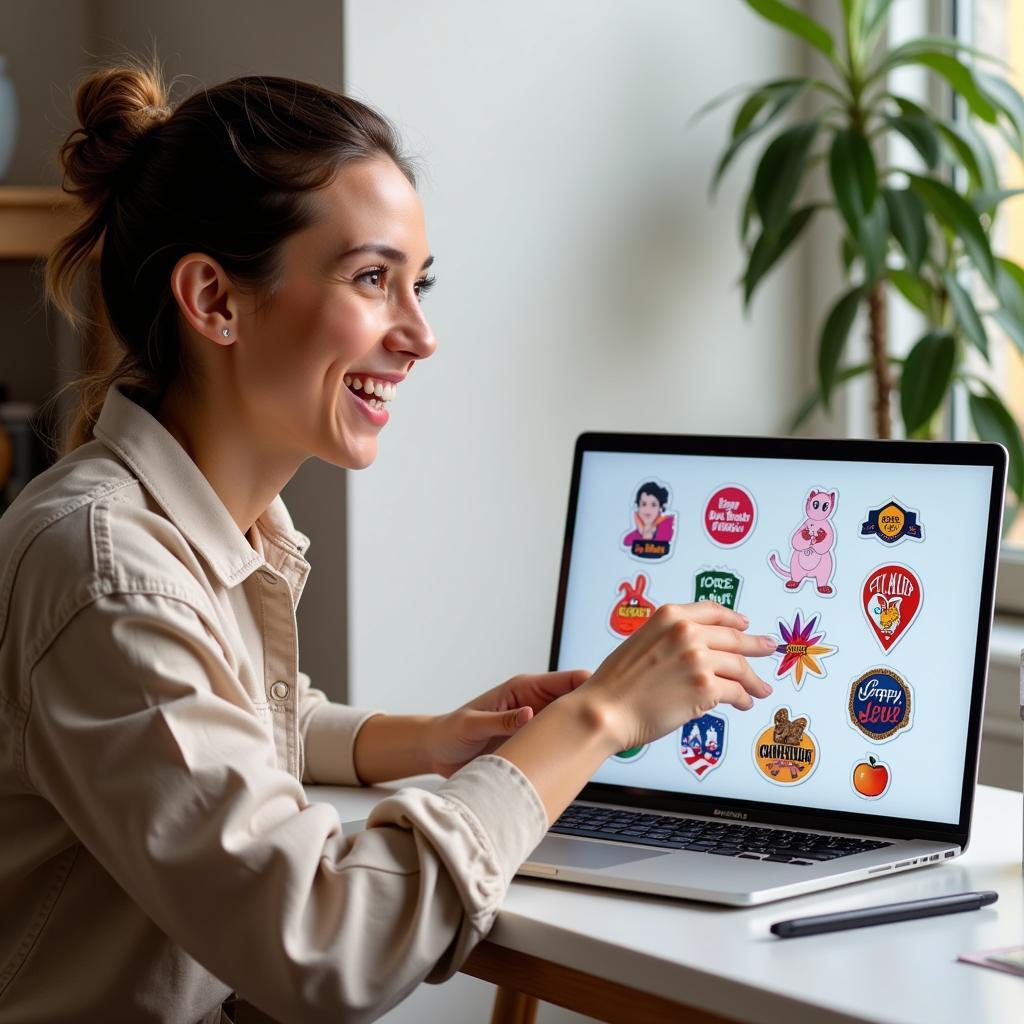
(873, 564)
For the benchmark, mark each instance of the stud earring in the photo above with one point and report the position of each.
(225, 332)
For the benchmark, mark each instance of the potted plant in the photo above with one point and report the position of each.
(921, 230)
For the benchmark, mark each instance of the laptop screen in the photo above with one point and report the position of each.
(869, 572)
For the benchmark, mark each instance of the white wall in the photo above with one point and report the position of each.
(584, 282)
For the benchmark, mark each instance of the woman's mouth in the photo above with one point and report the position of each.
(373, 392)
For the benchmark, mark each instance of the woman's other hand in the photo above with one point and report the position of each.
(481, 726)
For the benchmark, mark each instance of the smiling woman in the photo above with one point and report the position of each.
(263, 252)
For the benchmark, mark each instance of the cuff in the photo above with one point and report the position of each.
(330, 744)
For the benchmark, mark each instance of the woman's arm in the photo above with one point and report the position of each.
(392, 747)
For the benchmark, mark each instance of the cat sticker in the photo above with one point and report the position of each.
(653, 524)
(730, 516)
(702, 743)
(892, 523)
(801, 650)
(880, 704)
(812, 546)
(719, 585)
(891, 599)
(632, 609)
(786, 753)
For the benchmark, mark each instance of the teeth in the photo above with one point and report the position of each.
(348, 381)
(381, 391)
(357, 384)
(378, 389)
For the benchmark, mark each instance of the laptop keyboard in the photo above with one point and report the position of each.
(751, 842)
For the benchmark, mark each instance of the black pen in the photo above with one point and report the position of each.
(883, 915)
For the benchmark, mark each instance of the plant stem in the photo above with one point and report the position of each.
(878, 332)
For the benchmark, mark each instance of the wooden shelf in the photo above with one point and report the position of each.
(33, 219)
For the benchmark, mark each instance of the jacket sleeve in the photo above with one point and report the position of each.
(140, 736)
(328, 732)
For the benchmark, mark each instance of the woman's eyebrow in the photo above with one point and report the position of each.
(396, 255)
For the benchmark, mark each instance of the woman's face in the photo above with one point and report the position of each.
(340, 317)
(649, 508)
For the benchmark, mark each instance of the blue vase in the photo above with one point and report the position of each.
(8, 119)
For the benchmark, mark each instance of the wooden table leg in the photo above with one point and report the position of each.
(512, 1007)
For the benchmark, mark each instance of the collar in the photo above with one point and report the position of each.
(178, 486)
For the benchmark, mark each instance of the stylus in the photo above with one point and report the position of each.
(883, 915)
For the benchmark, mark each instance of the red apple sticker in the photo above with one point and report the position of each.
(891, 599)
(871, 778)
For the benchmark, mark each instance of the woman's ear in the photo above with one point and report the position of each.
(205, 297)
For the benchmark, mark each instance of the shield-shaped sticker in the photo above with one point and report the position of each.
(702, 743)
(719, 585)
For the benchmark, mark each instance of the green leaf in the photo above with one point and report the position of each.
(994, 422)
(1005, 98)
(1012, 325)
(956, 73)
(986, 202)
(956, 213)
(966, 314)
(967, 148)
(906, 219)
(927, 374)
(795, 22)
(1010, 287)
(833, 339)
(776, 97)
(908, 107)
(854, 178)
(806, 407)
(918, 131)
(780, 172)
(847, 253)
(911, 51)
(769, 248)
(873, 240)
(873, 15)
(747, 215)
(916, 290)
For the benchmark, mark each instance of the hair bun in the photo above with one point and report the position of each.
(116, 107)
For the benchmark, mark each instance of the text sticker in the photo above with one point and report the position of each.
(730, 516)
(880, 704)
(892, 523)
(786, 753)
(891, 599)
(719, 585)
(632, 609)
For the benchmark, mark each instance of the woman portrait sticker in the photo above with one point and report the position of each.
(653, 525)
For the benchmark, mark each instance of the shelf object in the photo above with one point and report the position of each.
(32, 219)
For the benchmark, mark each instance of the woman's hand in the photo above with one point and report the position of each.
(481, 726)
(684, 661)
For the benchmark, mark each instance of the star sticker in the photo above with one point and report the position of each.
(801, 650)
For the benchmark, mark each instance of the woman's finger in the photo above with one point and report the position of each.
(735, 666)
(751, 645)
(710, 613)
(733, 693)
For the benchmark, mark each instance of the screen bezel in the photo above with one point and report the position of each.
(938, 453)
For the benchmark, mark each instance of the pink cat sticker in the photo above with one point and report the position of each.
(813, 543)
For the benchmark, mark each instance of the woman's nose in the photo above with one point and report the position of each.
(412, 335)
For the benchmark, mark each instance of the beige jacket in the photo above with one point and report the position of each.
(157, 849)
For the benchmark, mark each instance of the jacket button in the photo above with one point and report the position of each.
(279, 691)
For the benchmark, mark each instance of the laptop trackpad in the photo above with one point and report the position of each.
(578, 853)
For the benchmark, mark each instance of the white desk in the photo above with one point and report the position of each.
(724, 963)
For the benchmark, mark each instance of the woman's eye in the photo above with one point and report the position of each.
(422, 286)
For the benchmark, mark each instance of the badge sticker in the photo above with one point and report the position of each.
(721, 585)
(801, 650)
(702, 743)
(786, 753)
(730, 516)
(631, 754)
(812, 546)
(892, 523)
(891, 599)
(653, 525)
(870, 778)
(880, 704)
(632, 610)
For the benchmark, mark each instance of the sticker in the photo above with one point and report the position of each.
(880, 704)
(730, 516)
(871, 778)
(892, 523)
(812, 546)
(786, 753)
(891, 599)
(801, 649)
(653, 524)
(721, 585)
(631, 753)
(702, 743)
(632, 610)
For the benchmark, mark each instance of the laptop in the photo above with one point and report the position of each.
(873, 564)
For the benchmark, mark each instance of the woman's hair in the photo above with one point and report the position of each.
(227, 172)
(655, 491)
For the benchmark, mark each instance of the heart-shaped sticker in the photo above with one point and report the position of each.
(891, 599)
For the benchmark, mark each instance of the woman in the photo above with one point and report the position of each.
(262, 262)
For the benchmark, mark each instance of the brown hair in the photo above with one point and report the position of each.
(226, 172)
